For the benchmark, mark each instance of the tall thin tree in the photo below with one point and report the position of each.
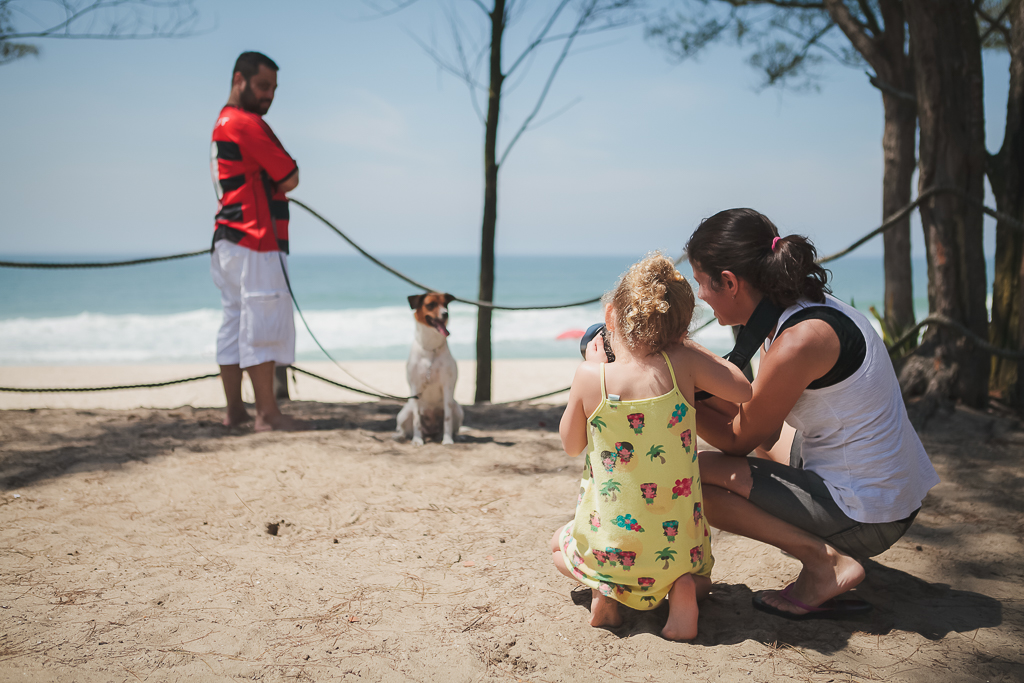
(562, 24)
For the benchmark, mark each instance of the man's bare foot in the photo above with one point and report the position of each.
(820, 581)
(237, 418)
(682, 610)
(280, 423)
(604, 611)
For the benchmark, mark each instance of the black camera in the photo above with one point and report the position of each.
(588, 336)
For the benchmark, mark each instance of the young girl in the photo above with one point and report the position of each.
(639, 533)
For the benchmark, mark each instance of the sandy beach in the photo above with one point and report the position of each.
(142, 541)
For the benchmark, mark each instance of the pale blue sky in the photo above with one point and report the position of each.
(106, 143)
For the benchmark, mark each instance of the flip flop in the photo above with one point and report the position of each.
(830, 609)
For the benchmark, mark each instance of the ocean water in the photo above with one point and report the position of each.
(169, 312)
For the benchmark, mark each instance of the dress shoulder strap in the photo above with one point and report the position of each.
(604, 392)
(671, 371)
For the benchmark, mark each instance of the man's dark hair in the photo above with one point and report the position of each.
(248, 63)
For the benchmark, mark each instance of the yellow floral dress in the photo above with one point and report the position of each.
(639, 521)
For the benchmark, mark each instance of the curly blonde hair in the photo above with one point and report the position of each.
(652, 303)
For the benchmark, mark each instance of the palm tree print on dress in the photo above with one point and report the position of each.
(666, 555)
(636, 421)
(598, 423)
(624, 450)
(648, 598)
(656, 452)
(677, 415)
(609, 489)
(649, 492)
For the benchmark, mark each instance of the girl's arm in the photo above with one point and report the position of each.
(573, 426)
(717, 375)
(797, 357)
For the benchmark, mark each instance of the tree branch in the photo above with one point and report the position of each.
(995, 23)
(73, 14)
(861, 41)
(891, 89)
(580, 23)
(540, 38)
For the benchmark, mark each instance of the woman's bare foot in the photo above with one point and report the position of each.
(603, 611)
(682, 609)
(280, 423)
(237, 418)
(820, 581)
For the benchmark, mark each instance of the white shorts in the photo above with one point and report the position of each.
(258, 324)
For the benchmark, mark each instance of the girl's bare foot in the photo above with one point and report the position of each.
(682, 609)
(237, 418)
(820, 581)
(280, 423)
(604, 611)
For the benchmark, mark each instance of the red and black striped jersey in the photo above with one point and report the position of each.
(247, 162)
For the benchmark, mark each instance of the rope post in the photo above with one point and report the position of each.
(281, 382)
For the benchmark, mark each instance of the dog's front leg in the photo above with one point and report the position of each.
(417, 422)
(449, 418)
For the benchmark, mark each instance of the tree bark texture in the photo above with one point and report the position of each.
(1006, 176)
(887, 54)
(946, 54)
(898, 140)
(490, 220)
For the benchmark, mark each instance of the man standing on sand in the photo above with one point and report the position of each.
(251, 174)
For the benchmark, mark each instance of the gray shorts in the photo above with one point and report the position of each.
(800, 497)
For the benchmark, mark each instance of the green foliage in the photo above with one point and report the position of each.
(891, 336)
(789, 38)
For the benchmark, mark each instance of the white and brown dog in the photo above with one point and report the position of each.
(432, 373)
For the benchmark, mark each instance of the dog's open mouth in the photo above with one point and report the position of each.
(437, 324)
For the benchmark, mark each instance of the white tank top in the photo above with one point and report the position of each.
(857, 436)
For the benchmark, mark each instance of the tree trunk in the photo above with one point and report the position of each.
(886, 52)
(898, 144)
(483, 319)
(946, 54)
(1006, 176)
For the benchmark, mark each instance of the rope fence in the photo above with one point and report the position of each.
(108, 264)
(887, 224)
(156, 385)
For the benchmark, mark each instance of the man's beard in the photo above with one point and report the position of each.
(253, 104)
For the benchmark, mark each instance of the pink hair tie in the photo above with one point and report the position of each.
(774, 242)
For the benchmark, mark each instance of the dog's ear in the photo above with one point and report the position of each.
(448, 298)
(416, 300)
